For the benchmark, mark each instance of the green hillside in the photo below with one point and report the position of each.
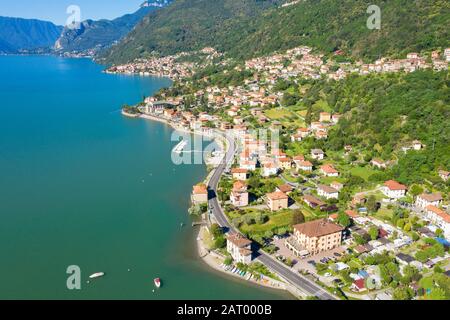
(247, 28)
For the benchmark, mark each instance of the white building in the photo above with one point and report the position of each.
(394, 190)
(425, 200)
(440, 218)
(327, 192)
(239, 248)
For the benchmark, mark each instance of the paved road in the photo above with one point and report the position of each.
(294, 278)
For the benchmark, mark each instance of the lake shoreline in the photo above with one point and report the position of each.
(211, 258)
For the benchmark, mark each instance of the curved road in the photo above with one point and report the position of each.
(297, 280)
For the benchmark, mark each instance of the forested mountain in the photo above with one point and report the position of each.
(26, 34)
(93, 36)
(247, 28)
(383, 113)
(186, 25)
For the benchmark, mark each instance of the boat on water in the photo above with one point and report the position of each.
(96, 275)
(157, 282)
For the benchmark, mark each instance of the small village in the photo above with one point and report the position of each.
(317, 211)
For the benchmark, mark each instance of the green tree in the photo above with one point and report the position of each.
(297, 217)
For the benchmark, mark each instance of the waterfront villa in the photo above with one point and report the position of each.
(277, 200)
(429, 199)
(240, 248)
(239, 194)
(394, 190)
(199, 194)
(315, 236)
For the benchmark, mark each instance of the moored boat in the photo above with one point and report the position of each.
(157, 282)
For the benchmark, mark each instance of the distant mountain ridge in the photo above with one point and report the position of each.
(18, 34)
(94, 36)
(247, 28)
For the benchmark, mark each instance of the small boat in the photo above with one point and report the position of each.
(157, 282)
(96, 275)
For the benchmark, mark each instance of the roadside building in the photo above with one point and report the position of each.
(318, 235)
(239, 173)
(240, 248)
(199, 194)
(239, 194)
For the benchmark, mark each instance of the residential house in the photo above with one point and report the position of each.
(199, 194)
(285, 188)
(239, 173)
(305, 166)
(394, 189)
(277, 200)
(269, 169)
(440, 218)
(359, 285)
(312, 201)
(298, 159)
(317, 154)
(239, 194)
(240, 248)
(329, 171)
(429, 199)
(285, 163)
(327, 192)
(337, 185)
(377, 162)
(318, 235)
(248, 165)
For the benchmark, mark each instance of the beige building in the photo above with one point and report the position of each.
(239, 174)
(239, 194)
(277, 201)
(199, 194)
(240, 248)
(318, 236)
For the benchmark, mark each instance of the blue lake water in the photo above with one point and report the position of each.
(82, 185)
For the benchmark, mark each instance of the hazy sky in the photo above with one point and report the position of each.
(55, 10)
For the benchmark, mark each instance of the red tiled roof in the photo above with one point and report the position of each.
(277, 196)
(441, 213)
(394, 185)
(318, 228)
